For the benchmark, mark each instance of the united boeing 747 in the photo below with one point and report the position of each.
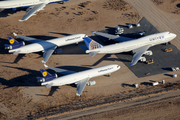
(138, 46)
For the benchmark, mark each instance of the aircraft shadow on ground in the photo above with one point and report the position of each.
(105, 57)
(6, 12)
(31, 81)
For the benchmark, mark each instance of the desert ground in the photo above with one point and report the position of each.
(21, 96)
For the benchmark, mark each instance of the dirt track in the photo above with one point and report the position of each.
(97, 112)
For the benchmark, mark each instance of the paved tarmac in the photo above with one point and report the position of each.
(163, 61)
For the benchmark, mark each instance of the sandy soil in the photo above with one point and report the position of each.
(21, 95)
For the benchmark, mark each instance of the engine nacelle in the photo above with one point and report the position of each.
(14, 46)
(46, 79)
(90, 83)
(58, 51)
(143, 59)
(149, 52)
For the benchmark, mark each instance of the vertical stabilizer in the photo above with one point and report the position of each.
(12, 40)
(91, 44)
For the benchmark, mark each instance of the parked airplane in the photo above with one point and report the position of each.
(137, 46)
(79, 78)
(48, 47)
(31, 5)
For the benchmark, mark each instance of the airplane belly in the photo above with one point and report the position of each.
(31, 48)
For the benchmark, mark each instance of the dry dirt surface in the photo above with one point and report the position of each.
(21, 96)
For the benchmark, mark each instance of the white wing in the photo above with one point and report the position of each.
(30, 39)
(31, 10)
(81, 85)
(59, 70)
(48, 53)
(138, 53)
(113, 37)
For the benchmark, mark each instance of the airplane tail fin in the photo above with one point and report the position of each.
(46, 76)
(91, 44)
(13, 43)
(12, 40)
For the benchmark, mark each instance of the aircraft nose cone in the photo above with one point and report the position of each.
(174, 35)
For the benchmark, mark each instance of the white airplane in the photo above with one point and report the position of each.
(48, 47)
(31, 5)
(79, 78)
(137, 46)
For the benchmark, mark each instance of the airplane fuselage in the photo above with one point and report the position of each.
(24, 3)
(151, 40)
(73, 78)
(44, 45)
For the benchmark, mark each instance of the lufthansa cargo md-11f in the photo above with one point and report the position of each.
(31, 5)
(48, 47)
(79, 78)
(137, 46)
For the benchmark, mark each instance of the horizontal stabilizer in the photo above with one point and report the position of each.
(49, 85)
(59, 70)
(92, 54)
(83, 47)
(29, 39)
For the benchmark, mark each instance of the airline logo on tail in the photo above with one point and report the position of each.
(91, 44)
(11, 41)
(44, 74)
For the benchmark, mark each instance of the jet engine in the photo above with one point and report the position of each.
(58, 51)
(143, 59)
(149, 52)
(14, 46)
(46, 79)
(90, 83)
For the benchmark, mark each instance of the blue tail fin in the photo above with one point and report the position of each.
(91, 44)
(45, 73)
(46, 76)
(12, 41)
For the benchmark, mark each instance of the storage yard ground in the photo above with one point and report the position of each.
(21, 96)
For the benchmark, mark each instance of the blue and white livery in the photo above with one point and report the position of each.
(31, 5)
(137, 46)
(47, 47)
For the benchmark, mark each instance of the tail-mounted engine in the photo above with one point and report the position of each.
(47, 78)
(14, 46)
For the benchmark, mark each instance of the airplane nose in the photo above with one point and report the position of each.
(174, 35)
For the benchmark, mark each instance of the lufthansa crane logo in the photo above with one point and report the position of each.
(44, 73)
(11, 41)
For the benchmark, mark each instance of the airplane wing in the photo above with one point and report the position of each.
(31, 10)
(81, 85)
(48, 53)
(59, 70)
(30, 39)
(138, 53)
(92, 54)
(113, 37)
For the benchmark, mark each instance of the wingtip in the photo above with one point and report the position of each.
(45, 66)
(14, 34)
(93, 31)
(43, 61)
(21, 20)
(77, 94)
